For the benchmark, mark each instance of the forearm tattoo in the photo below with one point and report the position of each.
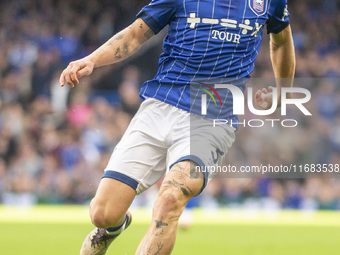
(117, 37)
(148, 34)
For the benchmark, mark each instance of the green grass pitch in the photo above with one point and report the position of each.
(61, 230)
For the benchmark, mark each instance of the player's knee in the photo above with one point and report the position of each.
(99, 218)
(170, 204)
(103, 218)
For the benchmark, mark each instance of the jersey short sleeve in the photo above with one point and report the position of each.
(158, 14)
(279, 18)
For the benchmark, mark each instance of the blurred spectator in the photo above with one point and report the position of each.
(129, 90)
(55, 142)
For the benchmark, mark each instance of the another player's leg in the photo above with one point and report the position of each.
(108, 211)
(177, 189)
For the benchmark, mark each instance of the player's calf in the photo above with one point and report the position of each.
(177, 189)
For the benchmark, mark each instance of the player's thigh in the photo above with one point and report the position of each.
(183, 180)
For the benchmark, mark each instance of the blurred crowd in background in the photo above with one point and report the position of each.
(55, 142)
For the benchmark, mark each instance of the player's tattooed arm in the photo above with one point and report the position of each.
(117, 37)
(148, 34)
(128, 41)
(122, 45)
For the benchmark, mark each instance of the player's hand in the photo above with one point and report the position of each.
(75, 70)
(264, 98)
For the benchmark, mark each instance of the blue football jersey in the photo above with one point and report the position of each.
(208, 42)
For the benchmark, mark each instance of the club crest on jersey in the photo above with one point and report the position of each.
(259, 7)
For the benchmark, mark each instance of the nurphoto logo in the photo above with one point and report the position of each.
(239, 104)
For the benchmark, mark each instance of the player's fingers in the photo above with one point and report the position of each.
(258, 96)
(69, 81)
(65, 76)
(264, 90)
(62, 79)
(74, 68)
(84, 71)
(270, 88)
(74, 77)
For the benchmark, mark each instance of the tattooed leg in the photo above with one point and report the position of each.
(178, 187)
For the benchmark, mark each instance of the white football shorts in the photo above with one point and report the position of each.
(159, 136)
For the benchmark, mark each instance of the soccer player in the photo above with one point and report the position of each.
(206, 41)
